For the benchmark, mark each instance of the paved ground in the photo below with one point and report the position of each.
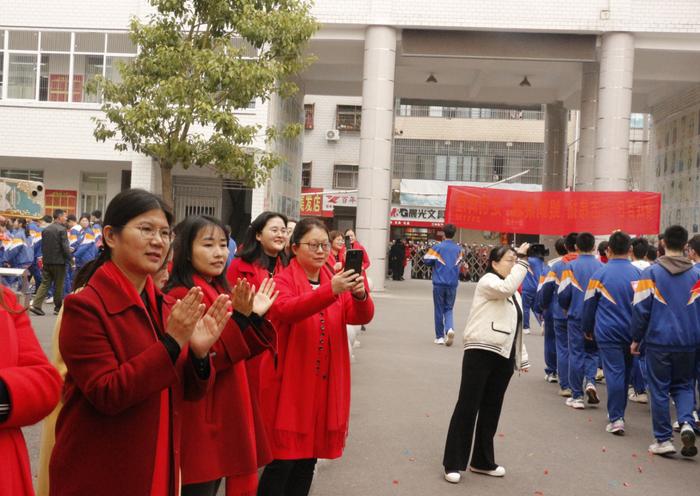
(404, 389)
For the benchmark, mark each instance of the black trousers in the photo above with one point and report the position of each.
(201, 488)
(485, 378)
(287, 478)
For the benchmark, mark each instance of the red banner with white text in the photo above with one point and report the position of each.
(553, 212)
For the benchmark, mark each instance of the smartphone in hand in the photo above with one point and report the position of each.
(353, 260)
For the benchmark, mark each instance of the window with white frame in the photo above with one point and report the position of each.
(345, 176)
(348, 117)
(27, 174)
(93, 191)
(56, 66)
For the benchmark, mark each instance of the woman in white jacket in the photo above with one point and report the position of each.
(493, 349)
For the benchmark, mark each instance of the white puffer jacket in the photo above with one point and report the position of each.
(493, 319)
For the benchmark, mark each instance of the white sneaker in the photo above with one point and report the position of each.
(453, 477)
(450, 337)
(599, 375)
(665, 448)
(551, 378)
(565, 393)
(575, 403)
(638, 397)
(526, 331)
(356, 344)
(49, 300)
(439, 341)
(676, 426)
(617, 427)
(688, 439)
(592, 394)
(497, 472)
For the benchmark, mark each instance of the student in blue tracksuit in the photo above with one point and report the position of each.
(607, 314)
(666, 321)
(446, 259)
(583, 364)
(86, 251)
(549, 300)
(75, 235)
(535, 257)
(550, 344)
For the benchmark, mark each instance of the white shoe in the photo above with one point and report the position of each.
(665, 448)
(617, 427)
(565, 393)
(638, 397)
(551, 378)
(439, 341)
(450, 337)
(453, 477)
(688, 439)
(592, 394)
(497, 472)
(575, 403)
(526, 331)
(676, 426)
(49, 300)
(356, 344)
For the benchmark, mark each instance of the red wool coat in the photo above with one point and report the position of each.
(34, 387)
(306, 399)
(107, 431)
(255, 274)
(222, 425)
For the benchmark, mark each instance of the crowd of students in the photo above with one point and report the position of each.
(631, 314)
(22, 242)
(184, 369)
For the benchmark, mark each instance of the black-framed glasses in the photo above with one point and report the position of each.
(314, 246)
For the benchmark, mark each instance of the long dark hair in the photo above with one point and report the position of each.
(127, 205)
(251, 250)
(185, 234)
(495, 255)
(304, 226)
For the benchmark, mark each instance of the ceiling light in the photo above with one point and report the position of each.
(431, 79)
(525, 83)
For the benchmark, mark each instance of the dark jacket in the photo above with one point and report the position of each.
(54, 245)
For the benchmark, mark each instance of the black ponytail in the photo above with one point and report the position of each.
(127, 205)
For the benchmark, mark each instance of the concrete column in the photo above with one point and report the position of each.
(555, 121)
(614, 106)
(585, 159)
(374, 181)
(144, 174)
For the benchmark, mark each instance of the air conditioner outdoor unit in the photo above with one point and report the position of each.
(332, 135)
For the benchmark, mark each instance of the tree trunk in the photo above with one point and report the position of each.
(166, 175)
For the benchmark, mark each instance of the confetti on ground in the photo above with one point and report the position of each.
(501, 435)
(590, 419)
(634, 455)
(539, 493)
(395, 482)
(546, 472)
(427, 415)
(412, 459)
(627, 484)
(640, 469)
(605, 449)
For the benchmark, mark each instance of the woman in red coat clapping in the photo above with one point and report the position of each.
(29, 390)
(306, 398)
(220, 439)
(132, 357)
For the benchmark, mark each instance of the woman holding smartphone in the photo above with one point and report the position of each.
(310, 315)
(220, 439)
(132, 356)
